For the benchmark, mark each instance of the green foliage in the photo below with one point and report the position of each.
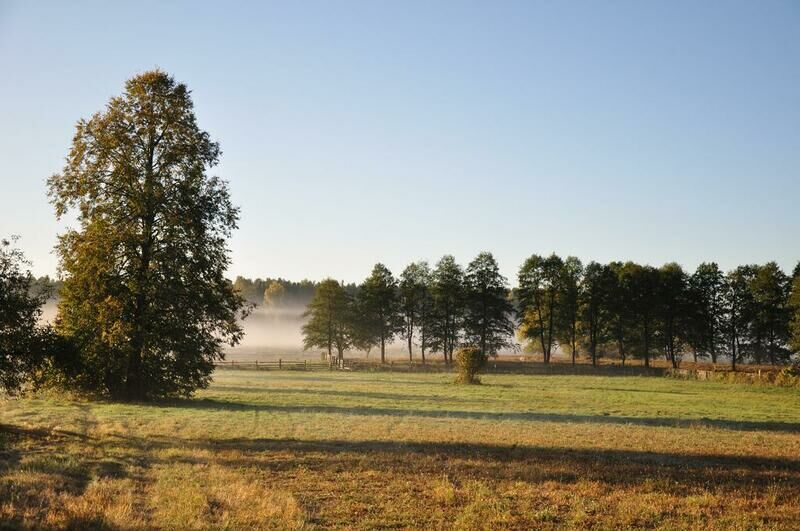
(621, 317)
(22, 342)
(379, 308)
(770, 290)
(330, 319)
(416, 304)
(569, 304)
(145, 297)
(597, 287)
(449, 296)
(705, 331)
(740, 309)
(795, 305)
(470, 361)
(540, 287)
(672, 304)
(279, 292)
(488, 318)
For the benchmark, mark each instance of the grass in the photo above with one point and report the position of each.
(364, 450)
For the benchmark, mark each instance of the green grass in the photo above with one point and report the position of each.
(365, 450)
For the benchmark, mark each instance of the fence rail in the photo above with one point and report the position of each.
(277, 365)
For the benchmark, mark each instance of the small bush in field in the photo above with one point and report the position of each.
(792, 371)
(470, 361)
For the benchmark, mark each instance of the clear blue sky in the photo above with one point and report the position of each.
(356, 132)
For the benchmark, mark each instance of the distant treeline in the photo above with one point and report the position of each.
(278, 292)
(620, 309)
(46, 285)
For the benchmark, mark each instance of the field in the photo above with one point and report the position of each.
(392, 450)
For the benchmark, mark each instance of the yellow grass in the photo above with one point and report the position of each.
(293, 450)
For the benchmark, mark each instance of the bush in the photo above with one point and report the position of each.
(792, 370)
(470, 361)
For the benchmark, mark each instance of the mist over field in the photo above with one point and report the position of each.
(274, 327)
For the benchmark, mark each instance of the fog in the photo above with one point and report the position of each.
(274, 328)
(275, 332)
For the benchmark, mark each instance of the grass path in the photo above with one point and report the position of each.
(365, 450)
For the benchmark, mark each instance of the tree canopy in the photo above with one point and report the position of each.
(20, 310)
(145, 295)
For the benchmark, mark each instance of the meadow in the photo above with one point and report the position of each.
(313, 450)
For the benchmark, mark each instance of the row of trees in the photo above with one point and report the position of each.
(277, 292)
(628, 310)
(437, 309)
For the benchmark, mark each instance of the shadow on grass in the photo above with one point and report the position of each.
(667, 472)
(405, 397)
(672, 422)
(632, 390)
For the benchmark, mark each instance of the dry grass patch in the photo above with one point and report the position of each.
(356, 451)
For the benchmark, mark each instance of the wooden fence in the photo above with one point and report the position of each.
(278, 365)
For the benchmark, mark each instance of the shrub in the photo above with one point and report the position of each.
(470, 361)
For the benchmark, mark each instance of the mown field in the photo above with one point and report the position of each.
(391, 450)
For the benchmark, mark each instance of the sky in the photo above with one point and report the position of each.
(359, 132)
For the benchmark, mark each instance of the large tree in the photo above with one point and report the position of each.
(623, 325)
(20, 310)
(644, 290)
(415, 303)
(673, 310)
(379, 307)
(739, 310)
(145, 295)
(488, 322)
(330, 317)
(706, 304)
(598, 280)
(539, 289)
(794, 302)
(569, 304)
(770, 288)
(448, 294)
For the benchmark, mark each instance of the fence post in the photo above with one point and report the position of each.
(256, 364)
(280, 364)
(305, 364)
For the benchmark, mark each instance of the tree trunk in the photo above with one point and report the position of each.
(573, 341)
(133, 379)
(422, 344)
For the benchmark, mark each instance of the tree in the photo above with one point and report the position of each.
(673, 309)
(569, 304)
(794, 302)
(414, 302)
(644, 287)
(539, 288)
(426, 314)
(739, 308)
(145, 296)
(622, 319)
(448, 293)
(379, 307)
(487, 320)
(20, 310)
(597, 280)
(706, 301)
(770, 290)
(274, 294)
(330, 318)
